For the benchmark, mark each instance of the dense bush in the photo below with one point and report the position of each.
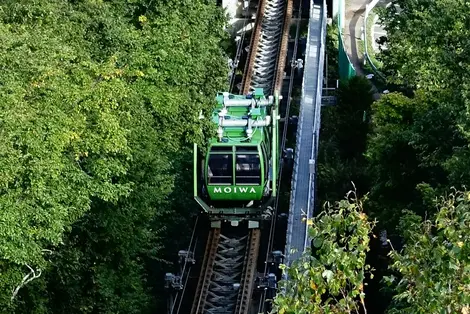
(100, 102)
(416, 150)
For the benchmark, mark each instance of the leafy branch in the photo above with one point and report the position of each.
(433, 271)
(329, 277)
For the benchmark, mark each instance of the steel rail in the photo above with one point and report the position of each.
(267, 52)
(264, 68)
(227, 273)
(255, 36)
(284, 138)
(184, 268)
(206, 272)
(238, 52)
(286, 116)
(261, 70)
(182, 292)
(281, 58)
(249, 270)
(222, 270)
(278, 85)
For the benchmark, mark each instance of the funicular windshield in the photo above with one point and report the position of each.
(247, 169)
(220, 169)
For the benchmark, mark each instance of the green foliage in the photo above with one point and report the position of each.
(417, 148)
(413, 140)
(434, 264)
(429, 275)
(393, 165)
(100, 103)
(329, 277)
(332, 46)
(427, 43)
(343, 138)
(63, 137)
(354, 103)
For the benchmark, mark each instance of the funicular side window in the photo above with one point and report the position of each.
(220, 169)
(248, 169)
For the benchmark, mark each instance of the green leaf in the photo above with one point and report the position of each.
(317, 242)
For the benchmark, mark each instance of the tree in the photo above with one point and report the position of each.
(433, 268)
(332, 45)
(426, 51)
(329, 277)
(100, 103)
(393, 165)
(417, 147)
(421, 138)
(426, 43)
(355, 99)
(62, 141)
(343, 137)
(413, 141)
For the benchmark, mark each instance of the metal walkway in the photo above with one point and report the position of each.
(303, 177)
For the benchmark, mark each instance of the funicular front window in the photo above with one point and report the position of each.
(220, 169)
(248, 169)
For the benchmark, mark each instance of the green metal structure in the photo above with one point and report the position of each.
(346, 68)
(236, 179)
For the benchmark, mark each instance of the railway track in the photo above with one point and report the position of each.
(206, 272)
(261, 303)
(228, 270)
(268, 45)
(226, 278)
(249, 270)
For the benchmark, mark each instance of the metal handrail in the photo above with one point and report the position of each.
(317, 121)
(342, 46)
(369, 8)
